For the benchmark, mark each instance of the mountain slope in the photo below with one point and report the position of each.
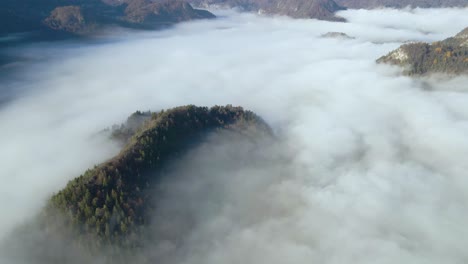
(83, 16)
(449, 56)
(319, 9)
(110, 207)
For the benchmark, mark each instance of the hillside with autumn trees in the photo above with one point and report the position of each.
(109, 207)
(449, 56)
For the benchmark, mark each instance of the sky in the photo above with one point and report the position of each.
(368, 167)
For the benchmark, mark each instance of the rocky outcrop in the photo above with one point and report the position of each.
(69, 19)
(337, 35)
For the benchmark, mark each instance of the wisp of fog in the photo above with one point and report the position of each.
(369, 165)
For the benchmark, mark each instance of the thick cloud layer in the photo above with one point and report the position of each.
(369, 168)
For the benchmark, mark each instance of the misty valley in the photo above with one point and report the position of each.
(220, 131)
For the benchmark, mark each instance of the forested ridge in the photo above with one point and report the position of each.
(449, 56)
(108, 205)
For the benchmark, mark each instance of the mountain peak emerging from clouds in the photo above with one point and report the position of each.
(449, 56)
(112, 202)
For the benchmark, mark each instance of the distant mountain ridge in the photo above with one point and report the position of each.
(449, 56)
(84, 16)
(370, 4)
(319, 9)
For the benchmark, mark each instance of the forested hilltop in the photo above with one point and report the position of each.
(449, 56)
(109, 207)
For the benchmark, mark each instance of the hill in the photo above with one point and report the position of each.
(449, 56)
(109, 207)
(84, 16)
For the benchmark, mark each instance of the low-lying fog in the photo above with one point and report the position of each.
(376, 167)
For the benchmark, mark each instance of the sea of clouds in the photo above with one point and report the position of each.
(369, 166)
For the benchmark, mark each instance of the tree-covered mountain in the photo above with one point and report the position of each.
(319, 9)
(369, 4)
(449, 56)
(84, 16)
(110, 207)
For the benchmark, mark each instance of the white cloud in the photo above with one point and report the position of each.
(376, 161)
